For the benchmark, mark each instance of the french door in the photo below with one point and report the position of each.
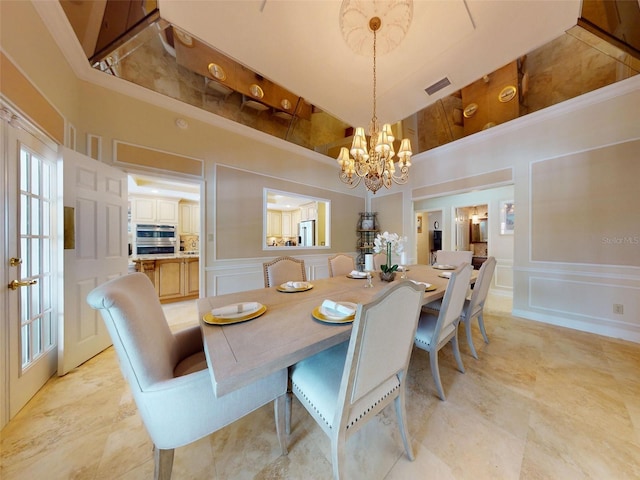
(30, 263)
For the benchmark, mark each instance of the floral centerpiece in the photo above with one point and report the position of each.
(387, 243)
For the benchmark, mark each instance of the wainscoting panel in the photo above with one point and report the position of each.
(585, 303)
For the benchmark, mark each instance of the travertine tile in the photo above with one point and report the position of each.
(540, 402)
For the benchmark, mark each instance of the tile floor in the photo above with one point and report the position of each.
(542, 402)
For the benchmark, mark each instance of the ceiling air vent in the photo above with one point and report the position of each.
(439, 85)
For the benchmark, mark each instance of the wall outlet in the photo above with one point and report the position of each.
(618, 308)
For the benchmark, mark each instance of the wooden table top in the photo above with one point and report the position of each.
(286, 333)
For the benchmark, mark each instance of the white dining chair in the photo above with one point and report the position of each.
(283, 269)
(341, 264)
(473, 306)
(453, 257)
(345, 386)
(435, 331)
(168, 375)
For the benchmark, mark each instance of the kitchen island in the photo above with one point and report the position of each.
(175, 277)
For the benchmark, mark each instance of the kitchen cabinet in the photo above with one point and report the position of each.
(287, 228)
(174, 279)
(154, 210)
(308, 211)
(274, 223)
(189, 218)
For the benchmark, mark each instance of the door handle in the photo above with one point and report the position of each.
(15, 284)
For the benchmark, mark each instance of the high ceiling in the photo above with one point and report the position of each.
(299, 45)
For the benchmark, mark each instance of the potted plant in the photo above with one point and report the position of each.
(387, 243)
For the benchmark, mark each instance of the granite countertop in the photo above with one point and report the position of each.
(142, 258)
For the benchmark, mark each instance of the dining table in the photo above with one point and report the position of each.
(288, 329)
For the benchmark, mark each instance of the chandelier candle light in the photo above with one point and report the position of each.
(373, 160)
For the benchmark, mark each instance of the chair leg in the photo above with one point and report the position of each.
(163, 463)
(401, 413)
(456, 351)
(481, 325)
(287, 418)
(337, 454)
(435, 372)
(280, 411)
(472, 347)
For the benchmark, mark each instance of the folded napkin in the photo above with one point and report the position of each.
(235, 309)
(356, 273)
(425, 284)
(445, 274)
(334, 308)
(296, 284)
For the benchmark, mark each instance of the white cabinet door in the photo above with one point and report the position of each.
(286, 224)
(274, 223)
(167, 211)
(185, 219)
(195, 219)
(144, 210)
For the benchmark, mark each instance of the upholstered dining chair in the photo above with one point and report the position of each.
(473, 306)
(168, 375)
(453, 257)
(341, 264)
(345, 386)
(283, 269)
(435, 331)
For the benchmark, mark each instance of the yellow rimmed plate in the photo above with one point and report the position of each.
(284, 288)
(431, 288)
(357, 277)
(319, 315)
(211, 320)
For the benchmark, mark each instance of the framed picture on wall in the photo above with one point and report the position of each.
(419, 223)
(507, 217)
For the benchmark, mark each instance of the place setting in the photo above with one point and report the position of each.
(358, 275)
(443, 267)
(428, 287)
(293, 287)
(335, 312)
(234, 313)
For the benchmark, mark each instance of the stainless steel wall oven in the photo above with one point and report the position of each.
(156, 239)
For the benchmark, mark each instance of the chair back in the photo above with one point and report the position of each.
(146, 347)
(380, 348)
(453, 302)
(453, 257)
(481, 287)
(284, 269)
(341, 264)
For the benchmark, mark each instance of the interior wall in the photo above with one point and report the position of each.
(239, 215)
(565, 291)
(499, 246)
(575, 189)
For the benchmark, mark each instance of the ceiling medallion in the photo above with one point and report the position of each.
(470, 110)
(217, 71)
(256, 91)
(507, 93)
(395, 15)
(372, 159)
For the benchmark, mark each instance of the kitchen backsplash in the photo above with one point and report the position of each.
(189, 243)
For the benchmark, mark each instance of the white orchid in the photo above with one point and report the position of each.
(388, 242)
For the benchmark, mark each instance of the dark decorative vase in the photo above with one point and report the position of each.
(387, 276)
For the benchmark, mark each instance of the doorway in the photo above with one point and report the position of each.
(428, 235)
(472, 229)
(29, 304)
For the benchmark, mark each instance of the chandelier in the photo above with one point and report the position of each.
(374, 159)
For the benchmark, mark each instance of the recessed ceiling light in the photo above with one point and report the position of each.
(217, 71)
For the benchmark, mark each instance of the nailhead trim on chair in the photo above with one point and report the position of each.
(353, 422)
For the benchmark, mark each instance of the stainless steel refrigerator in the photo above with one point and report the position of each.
(307, 233)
